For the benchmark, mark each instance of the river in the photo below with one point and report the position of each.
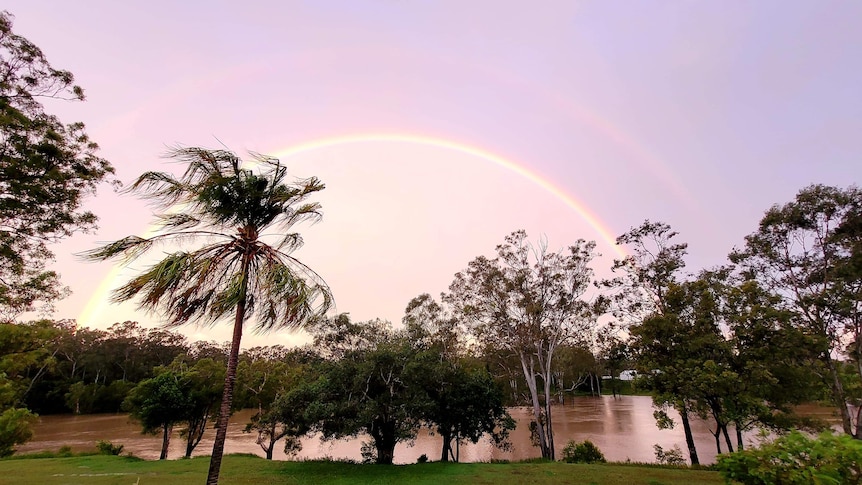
(623, 428)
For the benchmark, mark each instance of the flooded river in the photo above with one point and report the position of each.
(623, 428)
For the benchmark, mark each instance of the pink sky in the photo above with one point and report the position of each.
(699, 114)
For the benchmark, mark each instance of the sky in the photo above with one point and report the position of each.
(439, 127)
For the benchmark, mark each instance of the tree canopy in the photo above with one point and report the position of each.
(47, 169)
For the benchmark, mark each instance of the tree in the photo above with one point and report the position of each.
(159, 403)
(639, 295)
(267, 375)
(463, 405)
(370, 388)
(46, 170)
(807, 252)
(615, 357)
(463, 401)
(234, 273)
(201, 385)
(528, 301)
(576, 366)
(777, 362)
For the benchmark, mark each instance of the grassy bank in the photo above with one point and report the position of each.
(242, 469)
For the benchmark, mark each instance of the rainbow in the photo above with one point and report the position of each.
(100, 299)
(590, 218)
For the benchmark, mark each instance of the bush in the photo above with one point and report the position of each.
(65, 451)
(797, 459)
(585, 452)
(107, 448)
(671, 457)
(423, 458)
(15, 429)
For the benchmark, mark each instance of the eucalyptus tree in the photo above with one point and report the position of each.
(639, 297)
(808, 252)
(238, 270)
(528, 301)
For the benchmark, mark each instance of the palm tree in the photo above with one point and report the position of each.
(235, 272)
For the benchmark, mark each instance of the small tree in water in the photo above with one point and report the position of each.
(235, 272)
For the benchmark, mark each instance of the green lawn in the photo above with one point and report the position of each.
(241, 469)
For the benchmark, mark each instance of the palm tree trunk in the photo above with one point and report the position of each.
(229, 381)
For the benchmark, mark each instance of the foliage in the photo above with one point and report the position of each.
(46, 170)
(797, 459)
(15, 429)
(158, 404)
(267, 376)
(642, 298)
(672, 457)
(27, 353)
(584, 452)
(202, 386)
(528, 301)
(229, 207)
(463, 401)
(807, 251)
(105, 447)
(368, 389)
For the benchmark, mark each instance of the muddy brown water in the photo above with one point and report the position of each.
(623, 428)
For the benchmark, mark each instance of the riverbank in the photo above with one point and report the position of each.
(623, 428)
(244, 469)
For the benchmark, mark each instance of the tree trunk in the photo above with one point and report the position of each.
(689, 438)
(447, 446)
(384, 442)
(727, 438)
(166, 440)
(269, 450)
(197, 427)
(739, 445)
(549, 427)
(537, 408)
(858, 434)
(227, 396)
(838, 396)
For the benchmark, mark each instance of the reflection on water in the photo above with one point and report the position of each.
(623, 428)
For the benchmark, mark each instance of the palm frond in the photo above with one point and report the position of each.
(126, 247)
(227, 206)
(177, 221)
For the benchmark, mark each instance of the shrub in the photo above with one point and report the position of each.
(105, 447)
(423, 458)
(671, 457)
(797, 459)
(585, 452)
(15, 429)
(65, 451)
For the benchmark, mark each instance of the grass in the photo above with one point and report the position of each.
(244, 469)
